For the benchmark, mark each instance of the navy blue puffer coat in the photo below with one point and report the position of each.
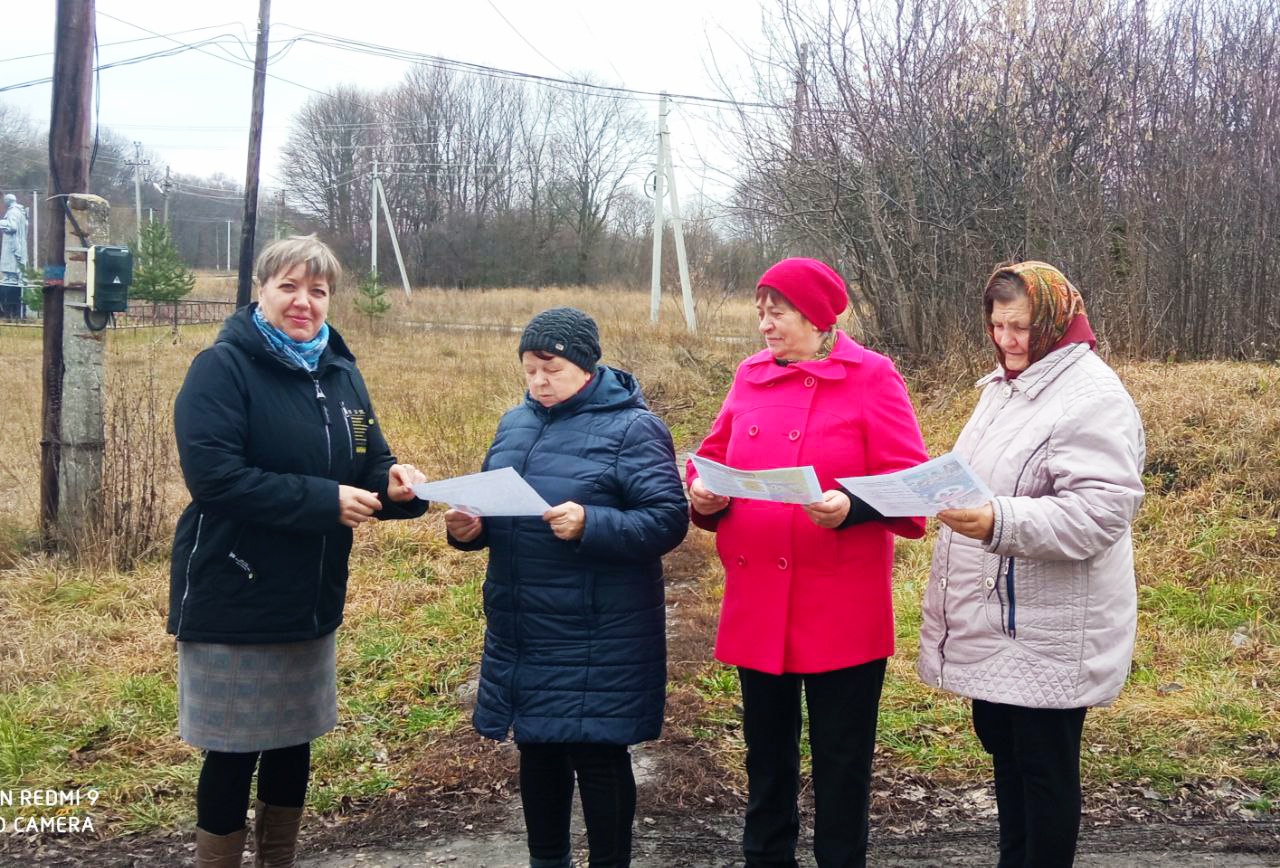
(575, 646)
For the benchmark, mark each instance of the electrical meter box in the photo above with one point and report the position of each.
(109, 274)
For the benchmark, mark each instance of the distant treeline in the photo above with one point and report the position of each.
(913, 144)
(1134, 145)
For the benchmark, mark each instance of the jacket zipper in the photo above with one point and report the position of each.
(999, 595)
(324, 411)
(1008, 581)
(182, 607)
(515, 590)
(946, 626)
(346, 419)
(328, 443)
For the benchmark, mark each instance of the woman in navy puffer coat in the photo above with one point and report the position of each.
(575, 649)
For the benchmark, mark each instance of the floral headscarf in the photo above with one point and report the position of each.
(1054, 304)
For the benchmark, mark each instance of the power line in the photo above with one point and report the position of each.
(517, 32)
(168, 52)
(122, 41)
(248, 65)
(345, 44)
(433, 61)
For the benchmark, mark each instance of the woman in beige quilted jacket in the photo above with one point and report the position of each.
(1031, 607)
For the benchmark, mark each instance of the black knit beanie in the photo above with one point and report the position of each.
(566, 332)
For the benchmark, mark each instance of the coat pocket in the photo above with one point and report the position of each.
(994, 603)
(1051, 598)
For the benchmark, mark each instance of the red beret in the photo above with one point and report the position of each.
(812, 287)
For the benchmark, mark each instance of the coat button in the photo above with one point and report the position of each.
(989, 582)
(939, 680)
(753, 430)
(809, 381)
(793, 435)
(782, 563)
(1008, 389)
(942, 583)
(742, 561)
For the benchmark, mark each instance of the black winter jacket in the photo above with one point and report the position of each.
(575, 645)
(259, 555)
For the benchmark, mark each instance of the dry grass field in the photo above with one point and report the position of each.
(87, 693)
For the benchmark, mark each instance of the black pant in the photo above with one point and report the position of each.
(1036, 755)
(843, 705)
(606, 787)
(222, 795)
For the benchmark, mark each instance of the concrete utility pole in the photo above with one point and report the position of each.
(229, 260)
(373, 222)
(666, 169)
(249, 226)
(83, 353)
(137, 164)
(659, 190)
(800, 112)
(69, 120)
(35, 229)
(279, 215)
(380, 191)
(166, 186)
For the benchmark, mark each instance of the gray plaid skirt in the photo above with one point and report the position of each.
(242, 698)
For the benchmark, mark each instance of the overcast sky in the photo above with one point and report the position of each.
(192, 109)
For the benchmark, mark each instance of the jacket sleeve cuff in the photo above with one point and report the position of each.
(1002, 528)
(707, 522)
(409, 509)
(475, 545)
(860, 512)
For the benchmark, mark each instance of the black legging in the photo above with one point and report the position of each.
(222, 796)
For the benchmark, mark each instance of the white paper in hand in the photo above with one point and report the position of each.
(946, 482)
(493, 492)
(780, 485)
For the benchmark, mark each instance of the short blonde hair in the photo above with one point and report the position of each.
(309, 251)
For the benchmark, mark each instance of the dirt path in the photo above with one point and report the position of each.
(461, 808)
(712, 842)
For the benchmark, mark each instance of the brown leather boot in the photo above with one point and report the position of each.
(219, 851)
(275, 835)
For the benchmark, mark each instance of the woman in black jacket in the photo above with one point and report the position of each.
(283, 456)
(575, 647)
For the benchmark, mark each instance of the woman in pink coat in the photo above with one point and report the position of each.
(807, 596)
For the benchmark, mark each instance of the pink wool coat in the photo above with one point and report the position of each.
(800, 598)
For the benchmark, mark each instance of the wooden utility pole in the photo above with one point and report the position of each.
(68, 173)
(249, 226)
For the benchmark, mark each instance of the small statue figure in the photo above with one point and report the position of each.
(13, 245)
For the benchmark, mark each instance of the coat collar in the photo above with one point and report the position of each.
(1037, 377)
(761, 368)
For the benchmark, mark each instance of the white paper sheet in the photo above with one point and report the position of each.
(493, 492)
(946, 482)
(781, 485)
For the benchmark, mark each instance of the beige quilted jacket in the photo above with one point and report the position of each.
(1043, 615)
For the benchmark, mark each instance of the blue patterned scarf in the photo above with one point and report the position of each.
(305, 355)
